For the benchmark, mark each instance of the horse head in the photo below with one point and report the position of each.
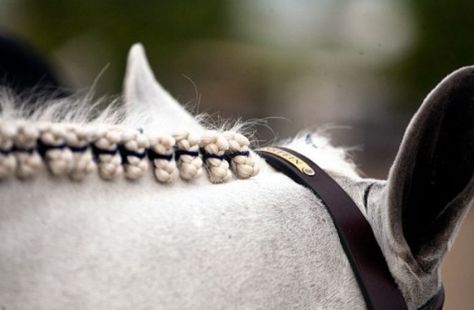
(254, 240)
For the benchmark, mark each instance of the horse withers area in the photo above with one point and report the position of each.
(141, 206)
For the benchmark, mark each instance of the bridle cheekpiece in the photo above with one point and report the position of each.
(378, 287)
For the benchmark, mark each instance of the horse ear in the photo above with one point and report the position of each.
(147, 102)
(431, 184)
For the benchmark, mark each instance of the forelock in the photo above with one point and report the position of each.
(318, 148)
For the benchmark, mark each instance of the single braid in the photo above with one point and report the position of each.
(134, 145)
(243, 163)
(188, 161)
(7, 159)
(106, 152)
(58, 157)
(213, 146)
(27, 157)
(78, 140)
(161, 154)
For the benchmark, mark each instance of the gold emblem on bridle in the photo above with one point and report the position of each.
(300, 164)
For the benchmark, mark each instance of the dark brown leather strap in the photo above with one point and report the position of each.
(357, 238)
(436, 302)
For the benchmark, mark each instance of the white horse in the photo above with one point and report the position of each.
(254, 240)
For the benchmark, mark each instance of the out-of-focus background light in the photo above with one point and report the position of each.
(359, 68)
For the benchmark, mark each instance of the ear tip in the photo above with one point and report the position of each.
(138, 65)
(138, 74)
(460, 81)
(461, 75)
(466, 68)
(137, 51)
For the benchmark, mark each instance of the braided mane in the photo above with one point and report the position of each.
(73, 140)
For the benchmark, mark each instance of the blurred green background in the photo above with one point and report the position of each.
(359, 68)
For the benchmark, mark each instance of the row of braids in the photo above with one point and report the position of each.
(75, 151)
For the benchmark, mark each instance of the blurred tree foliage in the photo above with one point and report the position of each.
(444, 38)
(444, 42)
(165, 27)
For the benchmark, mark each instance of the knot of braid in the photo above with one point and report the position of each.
(213, 146)
(161, 154)
(52, 146)
(242, 162)
(7, 159)
(78, 140)
(27, 158)
(106, 152)
(133, 151)
(188, 160)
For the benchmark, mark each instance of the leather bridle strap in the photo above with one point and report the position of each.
(436, 302)
(355, 233)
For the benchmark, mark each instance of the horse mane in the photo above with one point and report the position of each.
(78, 135)
(75, 136)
